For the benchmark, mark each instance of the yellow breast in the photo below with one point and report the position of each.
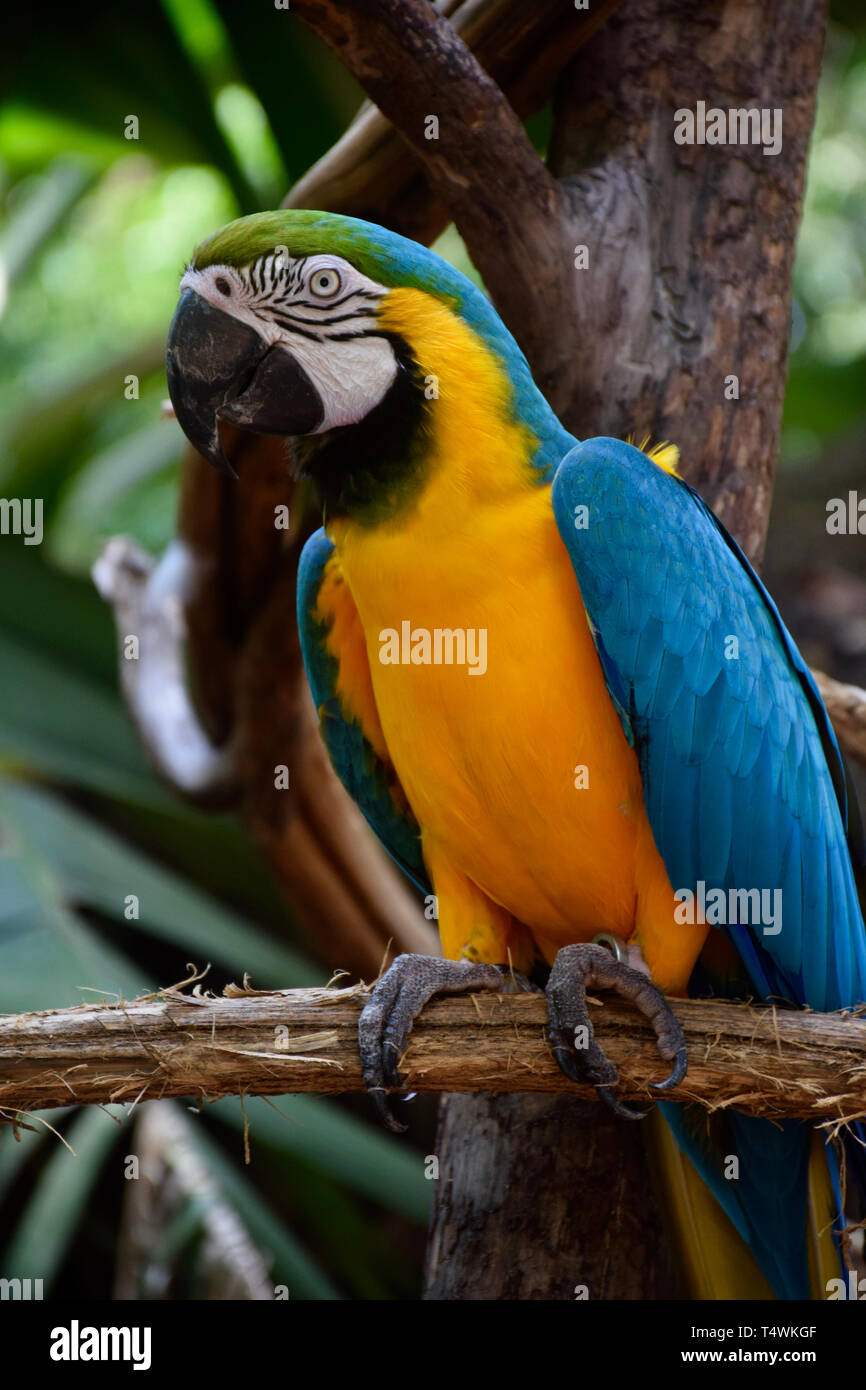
(474, 673)
(494, 712)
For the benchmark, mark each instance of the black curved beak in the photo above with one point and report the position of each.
(221, 369)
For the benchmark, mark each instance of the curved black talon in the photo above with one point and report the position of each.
(577, 967)
(621, 1107)
(678, 1072)
(396, 1001)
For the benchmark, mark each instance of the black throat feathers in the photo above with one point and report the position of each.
(373, 470)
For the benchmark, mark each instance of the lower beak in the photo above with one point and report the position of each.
(221, 369)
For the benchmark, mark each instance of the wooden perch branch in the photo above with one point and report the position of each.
(763, 1061)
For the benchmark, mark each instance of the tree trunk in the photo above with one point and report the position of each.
(539, 1198)
(691, 247)
(690, 254)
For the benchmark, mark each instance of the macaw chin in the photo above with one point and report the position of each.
(612, 759)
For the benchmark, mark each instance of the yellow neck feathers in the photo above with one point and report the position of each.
(478, 448)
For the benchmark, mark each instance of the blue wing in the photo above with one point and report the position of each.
(368, 780)
(743, 780)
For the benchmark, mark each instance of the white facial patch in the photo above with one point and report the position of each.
(323, 311)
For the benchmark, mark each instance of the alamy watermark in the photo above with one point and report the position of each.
(22, 516)
(438, 646)
(738, 125)
(846, 516)
(23, 1290)
(77, 1343)
(719, 907)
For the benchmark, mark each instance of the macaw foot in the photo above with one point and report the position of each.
(578, 968)
(397, 1000)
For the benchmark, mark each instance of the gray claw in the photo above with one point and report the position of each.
(581, 966)
(396, 1001)
(620, 1107)
(678, 1072)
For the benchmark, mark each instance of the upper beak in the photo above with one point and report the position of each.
(221, 369)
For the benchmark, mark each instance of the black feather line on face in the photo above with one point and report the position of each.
(291, 327)
(323, 322)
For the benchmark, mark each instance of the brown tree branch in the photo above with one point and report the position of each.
(690, 254)
(764, 1061)
(415, 67)
(372, 172)
(149, 602)
(846, 706)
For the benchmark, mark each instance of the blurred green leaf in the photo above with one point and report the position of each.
(69, 415)
(96, 869)
(307, 113)
(15, 1152)
(37, 215)
(129, 489)
(100, 65)
(49, 958)
(61, 616)
(49, 1222)
(69, 729)
(365, 1158)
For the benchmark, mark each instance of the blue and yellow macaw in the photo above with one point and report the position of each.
(556, 689)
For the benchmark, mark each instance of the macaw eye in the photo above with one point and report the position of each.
(325, 283)
(223, 285)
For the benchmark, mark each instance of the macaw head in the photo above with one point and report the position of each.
(303, 323)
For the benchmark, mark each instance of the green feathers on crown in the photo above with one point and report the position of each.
(304, 233)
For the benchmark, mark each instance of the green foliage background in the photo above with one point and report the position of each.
(94, 232)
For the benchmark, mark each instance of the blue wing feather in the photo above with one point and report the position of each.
(744, 783)
(714, 690)
(362, 773)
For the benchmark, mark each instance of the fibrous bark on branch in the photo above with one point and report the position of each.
(759, 1060)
